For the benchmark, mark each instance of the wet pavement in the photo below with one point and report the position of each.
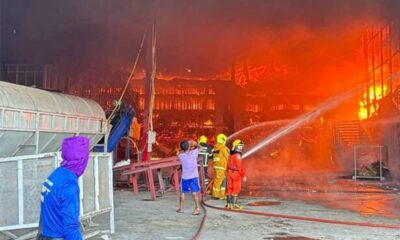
(367, 198)
(137, 218)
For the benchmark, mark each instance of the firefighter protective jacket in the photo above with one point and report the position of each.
(235, 165)
(220, 156)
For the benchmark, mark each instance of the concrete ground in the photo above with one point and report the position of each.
(138, 218)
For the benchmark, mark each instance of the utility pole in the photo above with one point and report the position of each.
(148, 134)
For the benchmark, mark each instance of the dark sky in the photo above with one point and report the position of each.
(308, 38)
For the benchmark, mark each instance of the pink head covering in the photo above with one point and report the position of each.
(75, 154)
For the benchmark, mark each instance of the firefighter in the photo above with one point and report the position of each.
(235, 174)
(220, 159)
(205, 154)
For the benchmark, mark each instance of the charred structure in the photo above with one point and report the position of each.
(309, 89)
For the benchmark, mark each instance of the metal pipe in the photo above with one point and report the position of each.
(96, 182)
(20, 192)
(111, 192)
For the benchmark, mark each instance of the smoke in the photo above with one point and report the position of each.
(299, 167)
(314, 40)
(302, 153)
(77, 35)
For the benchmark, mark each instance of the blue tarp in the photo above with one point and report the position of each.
(118, 131)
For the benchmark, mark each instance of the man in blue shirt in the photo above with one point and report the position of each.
(59, 215)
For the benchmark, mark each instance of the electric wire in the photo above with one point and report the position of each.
(129, 79)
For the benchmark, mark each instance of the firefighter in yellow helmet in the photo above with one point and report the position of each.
(205, 154)
(220, 160)
(203, 139)
(234, 175)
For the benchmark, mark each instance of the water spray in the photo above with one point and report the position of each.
(259, 125)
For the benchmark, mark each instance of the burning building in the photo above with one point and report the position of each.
(316, 101)
(379, 104)
(213, 106)
(197, 104)
(268, 104)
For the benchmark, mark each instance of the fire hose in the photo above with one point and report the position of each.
(310, 219)
(203, 220)
(204, 204)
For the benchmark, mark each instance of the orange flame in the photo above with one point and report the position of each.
(373, 95)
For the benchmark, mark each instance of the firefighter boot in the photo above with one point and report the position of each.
(235, 205)
(228, 202)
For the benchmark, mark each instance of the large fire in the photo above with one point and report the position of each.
(369, 105)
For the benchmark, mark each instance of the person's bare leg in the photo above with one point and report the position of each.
(196, 203)
(181, 203)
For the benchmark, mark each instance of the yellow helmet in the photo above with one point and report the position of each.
(203, 139)
(235, 143)
(221, 138)
(237, 146)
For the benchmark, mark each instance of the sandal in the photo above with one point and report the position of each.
(179, 210)
(196, 212)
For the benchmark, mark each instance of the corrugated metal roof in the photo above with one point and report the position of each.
(32, 99)
(36, 121)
